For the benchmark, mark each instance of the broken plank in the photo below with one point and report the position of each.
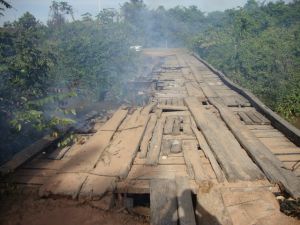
(155, 144)
(192, 160)
(147, 136)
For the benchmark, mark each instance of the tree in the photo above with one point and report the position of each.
(6, 5)
(58, 10)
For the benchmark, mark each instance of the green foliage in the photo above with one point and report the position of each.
(258, 47)
(46, 71)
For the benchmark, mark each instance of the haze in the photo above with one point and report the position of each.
(40, 8)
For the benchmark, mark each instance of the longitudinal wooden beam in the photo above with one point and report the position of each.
(261, 155)
(147, 136)
(234, 161)
(208, 153)
(26, 154)
(155, 144)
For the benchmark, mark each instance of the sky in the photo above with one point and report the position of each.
(40, 8)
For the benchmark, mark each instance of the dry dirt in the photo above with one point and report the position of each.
(22, 206)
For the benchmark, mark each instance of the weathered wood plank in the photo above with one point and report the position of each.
(95, 187)
(170, 108)
(209, 154)
(186, 212)
(65, 184)
(118, 157)
(26, 154)
(186, 125)
(163, 202)
(192, 160)
(245, 118)
(176, 126)
(168, 128)
(210, 209)
(155, 144)
(144, 172)
(89, 153)
(234, 161)
(270, 165)
(147, 136)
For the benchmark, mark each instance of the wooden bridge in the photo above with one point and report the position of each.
(204, 150)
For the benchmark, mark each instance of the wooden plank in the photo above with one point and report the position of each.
(26, 154)
(210, 208)
(65, 184)
(163, 202)
(186, 212)
(95, 187)
(89, 153)
(262, 118)
(118, 157)
(268, 134)
(235, 163)
(171, 161)
(145, 172)
(209, 154)
(261, 155)
(27, 180)
(155, 144)
(176, 126)
(186, 125)
(168, 128)
(59, 153)
(245, 118)
(260, 127)
(179, 137)
(192, 160)
(44, 164)
(147, 136)
(254, 207)
(193, 89)
(113, 123)
(165, 147)
(254, 118)
(170, 108)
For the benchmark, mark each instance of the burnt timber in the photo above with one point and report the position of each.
(207, 152)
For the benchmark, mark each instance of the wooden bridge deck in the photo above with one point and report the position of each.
(196, 138)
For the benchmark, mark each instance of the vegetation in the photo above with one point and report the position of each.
(258, 46)
(47, 69)
(46, 72)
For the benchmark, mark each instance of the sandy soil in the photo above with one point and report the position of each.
(24, 207)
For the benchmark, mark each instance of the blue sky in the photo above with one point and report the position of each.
(40, 8)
